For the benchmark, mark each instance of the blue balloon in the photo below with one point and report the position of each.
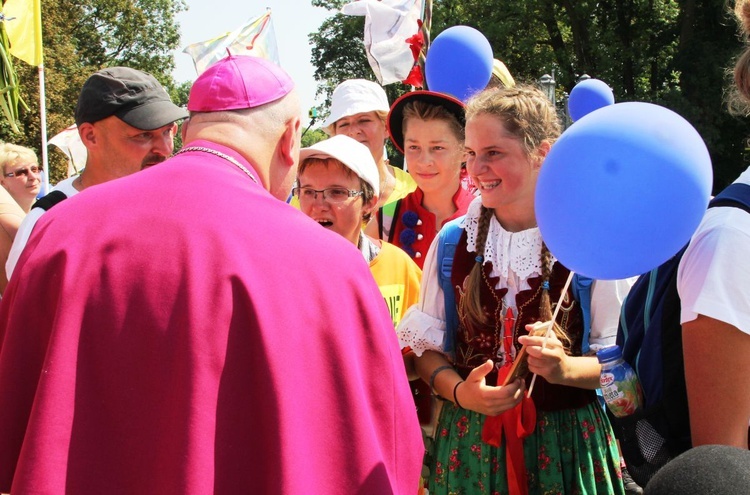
(459, 62)
(622, 190)
(587, 96)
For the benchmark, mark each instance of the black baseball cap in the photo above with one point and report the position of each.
(395, 120)
(131, 95)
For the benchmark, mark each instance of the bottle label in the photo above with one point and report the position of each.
(621, 390)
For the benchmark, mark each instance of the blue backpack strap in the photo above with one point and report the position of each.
(737, 195)
(581, 287)
(448, 238)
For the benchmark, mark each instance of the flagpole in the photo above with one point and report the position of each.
(426, 27)
(43, 126)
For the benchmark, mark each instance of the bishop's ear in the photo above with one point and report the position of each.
(290, 141)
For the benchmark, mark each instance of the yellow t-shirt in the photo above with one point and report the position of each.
(398, 278)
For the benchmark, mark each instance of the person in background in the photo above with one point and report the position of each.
(490, 437)
(21, 174)
(715, 305)
(704, 314)
(21, 181)
(11, 216)
(193, 339)
(358, 109)
(126, 120)
(337, 186)
(428, 128)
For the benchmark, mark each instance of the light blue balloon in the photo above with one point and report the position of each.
(459, 62)
(622, 190)
(587, 96)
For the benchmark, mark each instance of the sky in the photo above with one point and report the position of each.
(293, 20)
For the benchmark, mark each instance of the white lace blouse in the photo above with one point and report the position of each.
(515, 258)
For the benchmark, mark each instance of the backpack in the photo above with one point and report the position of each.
(448, 238)
(650, 336)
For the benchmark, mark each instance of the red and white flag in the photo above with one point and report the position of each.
(388, 26)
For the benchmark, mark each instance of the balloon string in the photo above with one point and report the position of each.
(552, 322)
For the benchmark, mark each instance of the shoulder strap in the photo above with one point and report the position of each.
(737, 195)
(448, 238)
(388, 213)
(581, 287)
(50, 200)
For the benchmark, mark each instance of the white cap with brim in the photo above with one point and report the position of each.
(355, 96)
(353, 154)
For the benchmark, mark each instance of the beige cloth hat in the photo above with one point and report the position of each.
(351, 153)
(355, 96)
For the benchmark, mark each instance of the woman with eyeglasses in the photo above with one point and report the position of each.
(11, 216)
(338, 186)
(21, 174)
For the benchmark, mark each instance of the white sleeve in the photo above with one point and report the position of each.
(423, 326)
(606, 299)
(22, 237)
(713, 273)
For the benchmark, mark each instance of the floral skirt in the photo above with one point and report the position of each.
(570, 452)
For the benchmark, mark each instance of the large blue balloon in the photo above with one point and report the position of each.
(459, 62)
(622, 190)
(587, 96)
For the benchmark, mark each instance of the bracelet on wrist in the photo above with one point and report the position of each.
(435, 374)
(455, 397)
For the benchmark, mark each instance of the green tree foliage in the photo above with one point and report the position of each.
(672, 53)
(81, 37)
(312, 136)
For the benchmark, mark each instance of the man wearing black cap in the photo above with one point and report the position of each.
(126, 120)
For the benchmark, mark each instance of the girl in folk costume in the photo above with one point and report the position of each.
(428, 128)
(492, 438)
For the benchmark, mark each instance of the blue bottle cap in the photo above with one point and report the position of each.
(609, 354)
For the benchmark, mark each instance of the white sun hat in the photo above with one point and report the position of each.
(353, 154)
(355, 96)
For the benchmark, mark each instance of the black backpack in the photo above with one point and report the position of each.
(650, 336)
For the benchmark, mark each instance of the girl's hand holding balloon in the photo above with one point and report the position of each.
(546, 355)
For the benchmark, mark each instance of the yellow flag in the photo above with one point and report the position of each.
(23, 23)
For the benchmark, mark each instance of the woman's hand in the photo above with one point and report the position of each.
(550, 362)
(476, 395)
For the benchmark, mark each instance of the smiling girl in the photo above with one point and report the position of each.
(428, 128)
(489, 439)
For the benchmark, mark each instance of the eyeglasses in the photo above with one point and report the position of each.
(24, 171)
(331, 194)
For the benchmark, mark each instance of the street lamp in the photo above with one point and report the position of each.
(547, 83)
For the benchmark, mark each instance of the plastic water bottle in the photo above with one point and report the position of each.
(620, 386)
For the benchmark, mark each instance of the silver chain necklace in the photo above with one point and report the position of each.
(220, 155)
